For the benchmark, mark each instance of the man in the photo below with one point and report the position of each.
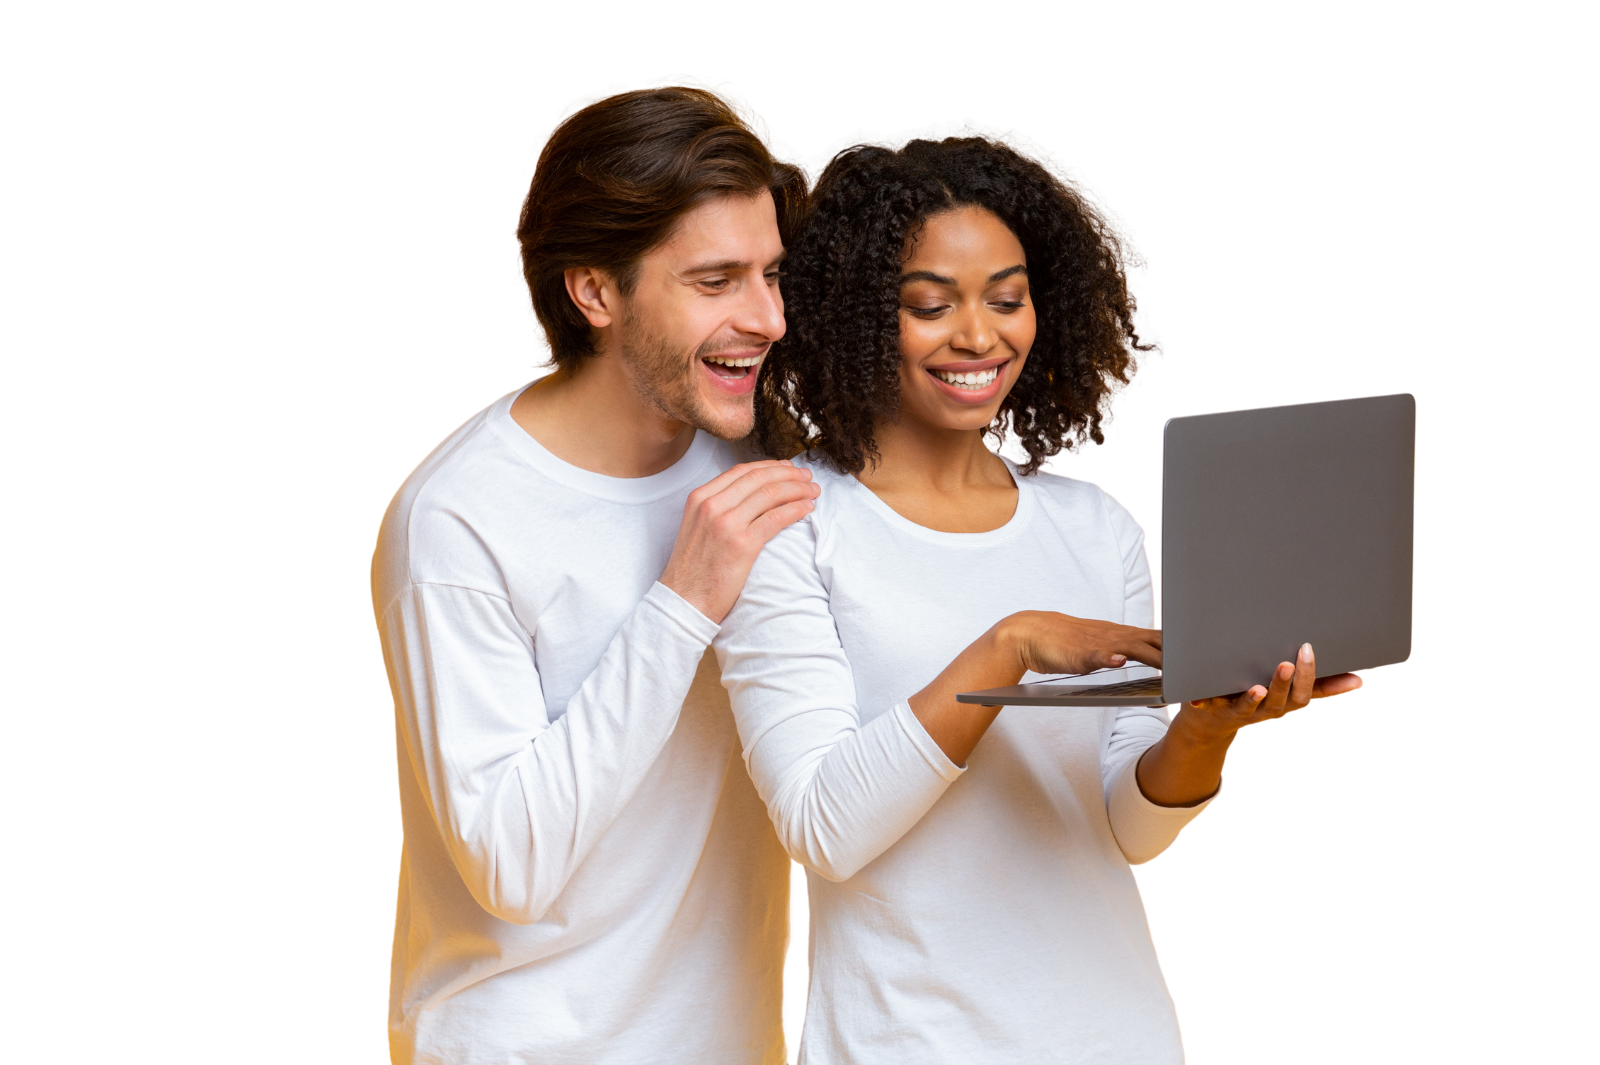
(588, 875)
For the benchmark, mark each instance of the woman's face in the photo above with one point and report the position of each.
(966, 320)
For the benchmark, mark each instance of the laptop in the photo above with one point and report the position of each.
(1278, 526)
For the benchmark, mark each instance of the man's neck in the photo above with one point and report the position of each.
(593, 418)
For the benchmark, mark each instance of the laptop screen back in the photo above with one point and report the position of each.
(1281, 526)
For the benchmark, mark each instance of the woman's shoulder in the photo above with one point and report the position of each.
(1084, 498)
(820, 466)
(1057, 487)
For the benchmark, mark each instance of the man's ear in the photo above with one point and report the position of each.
(595, 293)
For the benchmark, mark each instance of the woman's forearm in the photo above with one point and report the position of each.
(957, 727)
(1185, 766)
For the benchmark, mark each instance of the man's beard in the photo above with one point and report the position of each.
(666, 381)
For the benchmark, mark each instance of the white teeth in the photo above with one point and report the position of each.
(972, 382)
(733, 362)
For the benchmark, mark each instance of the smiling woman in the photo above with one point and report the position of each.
(854, 294)
(971, 897)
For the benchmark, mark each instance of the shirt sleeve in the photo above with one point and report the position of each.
(1142, 829)
(519, 801)
(839, 792)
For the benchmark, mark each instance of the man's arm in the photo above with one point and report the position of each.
(521, 802)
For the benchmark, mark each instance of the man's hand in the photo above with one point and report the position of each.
(726, 523)
(1046, 642)
(1290, 688)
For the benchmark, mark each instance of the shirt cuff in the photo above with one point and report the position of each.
(924, 743)
(1144, 829)
(678, 610)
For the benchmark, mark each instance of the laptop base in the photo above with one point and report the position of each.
(1143, 692)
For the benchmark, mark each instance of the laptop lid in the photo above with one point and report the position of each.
(1279, 526)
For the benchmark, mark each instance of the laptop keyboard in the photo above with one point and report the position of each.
(1147, 686)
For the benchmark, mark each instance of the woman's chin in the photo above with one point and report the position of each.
(957, 420)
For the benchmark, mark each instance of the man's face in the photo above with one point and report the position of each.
(703, 313)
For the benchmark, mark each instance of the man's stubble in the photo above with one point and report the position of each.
(665, 379)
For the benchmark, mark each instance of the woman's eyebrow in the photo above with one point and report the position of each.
(940, 279)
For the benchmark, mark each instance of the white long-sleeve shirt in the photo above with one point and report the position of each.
(985, 913)
(588, 876)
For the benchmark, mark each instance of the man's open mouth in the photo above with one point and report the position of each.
(731, 368)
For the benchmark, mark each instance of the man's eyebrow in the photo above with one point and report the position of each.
(1001, 275)
(719, 266)
(732, 265)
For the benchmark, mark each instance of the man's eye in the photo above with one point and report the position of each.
(774, 276)
(716, 283)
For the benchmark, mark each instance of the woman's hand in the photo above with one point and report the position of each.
(1291, 688)
(1036, 640)
(1185, 767)
(1046, 642)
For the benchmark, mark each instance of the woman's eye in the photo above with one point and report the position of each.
(1008, 305)
(925, 312)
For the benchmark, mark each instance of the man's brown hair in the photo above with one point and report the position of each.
(612, 183)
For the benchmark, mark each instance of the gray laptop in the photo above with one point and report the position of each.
(1278, 526)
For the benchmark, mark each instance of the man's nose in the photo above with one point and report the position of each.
(761, 312)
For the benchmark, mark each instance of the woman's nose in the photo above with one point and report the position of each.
(972, 331)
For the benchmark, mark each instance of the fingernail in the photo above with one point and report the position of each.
(1117, 660)
(811, 505)
(1305, 652)
(1257, 693)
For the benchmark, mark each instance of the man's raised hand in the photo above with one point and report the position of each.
(726, 523)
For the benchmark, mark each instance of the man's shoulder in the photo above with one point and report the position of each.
(439, 525)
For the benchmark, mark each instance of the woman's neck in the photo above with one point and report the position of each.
(940, 478)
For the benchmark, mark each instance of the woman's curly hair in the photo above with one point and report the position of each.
(836, 372)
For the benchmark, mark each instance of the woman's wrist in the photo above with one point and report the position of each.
(1191, 731)
(1009, 643)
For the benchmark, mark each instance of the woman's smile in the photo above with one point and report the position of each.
(972, 381)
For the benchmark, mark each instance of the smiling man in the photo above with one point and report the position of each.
(588, 875)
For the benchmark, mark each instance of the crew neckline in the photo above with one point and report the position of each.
(689, 470)
(1017, 522)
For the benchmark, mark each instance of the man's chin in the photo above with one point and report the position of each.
(725, 424)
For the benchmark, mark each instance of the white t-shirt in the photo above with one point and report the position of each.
(588, 875)
(957, 915)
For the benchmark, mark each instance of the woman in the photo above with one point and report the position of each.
(970, 901)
